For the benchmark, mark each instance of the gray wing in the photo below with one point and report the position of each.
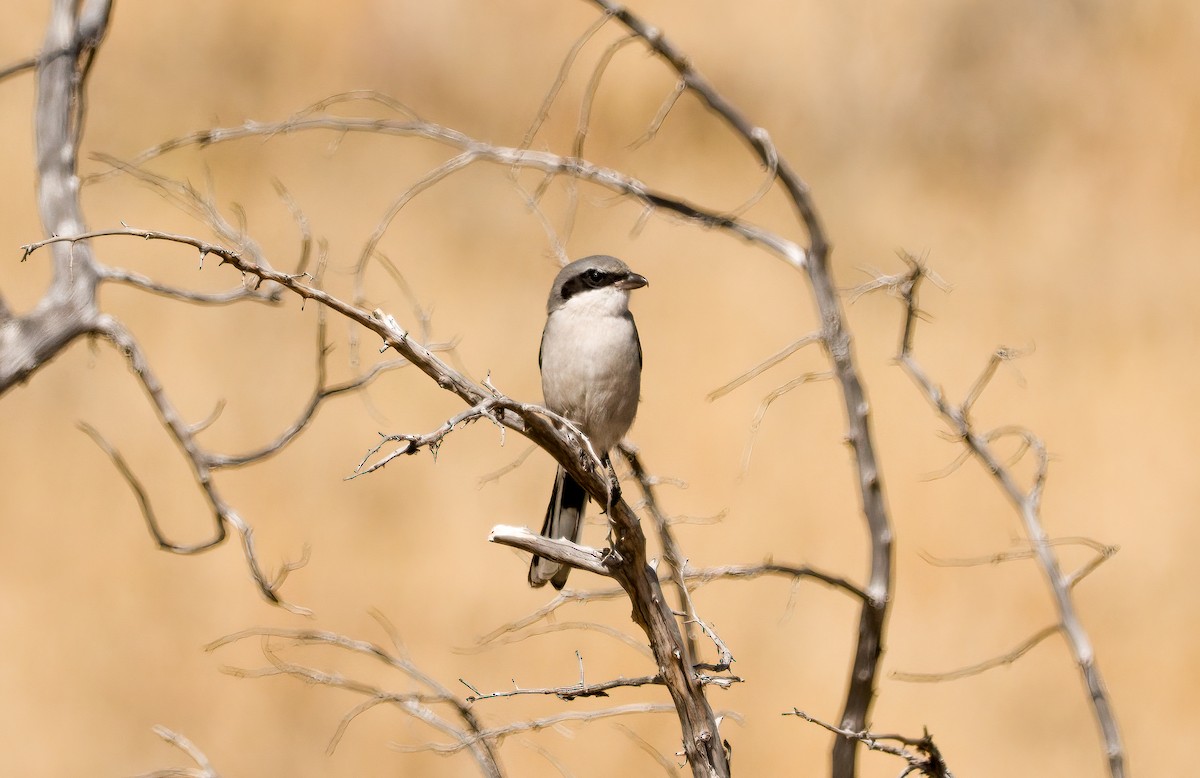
(636, 339)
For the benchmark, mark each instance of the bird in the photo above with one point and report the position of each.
(591, 363)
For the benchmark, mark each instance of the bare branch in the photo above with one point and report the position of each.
(437, 175)
(236, 295)
(715, 518)
(663, 112)
(23, 65)
(500, 733)
(361, 95)
(836, 337)
(556, 550)
(1027, 502)
(554, 761)
(593, 86)
(771, 397)
(68, 308)
(959, 459)
(224, 516)
(471, 151)
(1002, 354)
(1102, 556)
(669, 767)
(627, 562)
(561, 79)
(466, 735)
(694, 578)
(561, 598)
(203, 207)
(203, 769)
(182, 434)
(725, 655)
(701, 738)
(767, 184)
(1007, 658)
(671, 552)
(321, 392)
(563, 626)
(496, 475)
(573, 691)
(419, 313)
(414, 443)
(1102, 552)
(703, 576)
(557, 245)
(204, 247)
(931, 764)
(766, 364)
(131, 479)
(306, 237)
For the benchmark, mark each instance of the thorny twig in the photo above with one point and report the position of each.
(928, 761)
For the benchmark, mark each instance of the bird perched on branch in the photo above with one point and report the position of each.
(591, 361)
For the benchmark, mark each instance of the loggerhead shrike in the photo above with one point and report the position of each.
(591, 361)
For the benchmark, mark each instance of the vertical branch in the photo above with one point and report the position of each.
(68, 309)
(873, 616)
(59, 122)
(837, 339)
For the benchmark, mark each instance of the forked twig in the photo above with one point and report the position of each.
(1027, 502)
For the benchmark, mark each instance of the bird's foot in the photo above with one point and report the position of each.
(614, 485)
(614, 490)
(585, 460)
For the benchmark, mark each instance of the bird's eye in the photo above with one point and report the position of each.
(593, 277)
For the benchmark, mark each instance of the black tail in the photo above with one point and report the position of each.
(564, 518)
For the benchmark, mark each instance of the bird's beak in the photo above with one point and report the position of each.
(632, 281)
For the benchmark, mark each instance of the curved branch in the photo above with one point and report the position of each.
(203, 769)
(224, 516)
(472, 151)
(978, 668)
(228, 297)
(835, 335)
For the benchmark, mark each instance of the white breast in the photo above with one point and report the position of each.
(591, 372)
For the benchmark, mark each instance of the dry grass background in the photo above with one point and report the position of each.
(1044, 158)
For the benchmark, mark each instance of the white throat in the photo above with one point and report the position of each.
(606, 301)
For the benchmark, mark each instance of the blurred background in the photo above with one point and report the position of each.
(1042, 157)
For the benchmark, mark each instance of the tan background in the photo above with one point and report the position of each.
(1043, 156)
